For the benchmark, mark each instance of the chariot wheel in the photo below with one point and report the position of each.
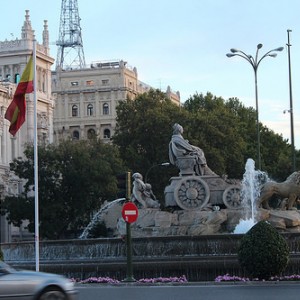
(191, 193)
(232, 197)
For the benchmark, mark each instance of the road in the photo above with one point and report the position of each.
(249, 291)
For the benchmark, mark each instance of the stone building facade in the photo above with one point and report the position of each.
(14, 55)
(86, 99)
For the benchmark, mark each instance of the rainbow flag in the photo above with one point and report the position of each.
(16, 111)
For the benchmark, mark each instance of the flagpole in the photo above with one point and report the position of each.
(35, 139)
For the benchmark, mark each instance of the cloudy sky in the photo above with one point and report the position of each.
(183, 44)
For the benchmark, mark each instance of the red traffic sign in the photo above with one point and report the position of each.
(129, 212)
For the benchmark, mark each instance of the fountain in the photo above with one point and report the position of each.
(193, 238)
(251, 185)
(114, 207)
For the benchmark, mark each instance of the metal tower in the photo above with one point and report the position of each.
(70, 53)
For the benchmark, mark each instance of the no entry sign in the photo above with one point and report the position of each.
(129, 212)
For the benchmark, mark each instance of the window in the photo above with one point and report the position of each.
(75, 135)
(106, 133)
(17, 78)
(105, 109)
(91, 133)
(74, 111)
(90, 109)
(44, 83)
(105, 82)
(74, 83)
(90, 82)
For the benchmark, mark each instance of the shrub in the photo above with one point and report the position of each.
(263, 252)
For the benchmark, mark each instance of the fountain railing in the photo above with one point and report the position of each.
(200, 258)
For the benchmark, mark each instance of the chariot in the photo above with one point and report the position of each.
(193, 192)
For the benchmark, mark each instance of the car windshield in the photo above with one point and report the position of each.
(5, 268)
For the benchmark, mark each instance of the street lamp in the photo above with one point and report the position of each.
(291, 103)
(164, 164)
(254, 62)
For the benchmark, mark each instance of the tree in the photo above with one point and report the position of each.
(228, 134)
(225, 130)
(215, 127)
(75, 178)
(143, 132)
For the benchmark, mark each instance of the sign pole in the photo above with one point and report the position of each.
(129, 273)
(129, 214)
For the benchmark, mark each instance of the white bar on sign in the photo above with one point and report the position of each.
(130, 212)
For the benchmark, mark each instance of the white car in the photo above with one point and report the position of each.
(32, 285)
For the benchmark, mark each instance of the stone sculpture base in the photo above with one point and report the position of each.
(155, 222)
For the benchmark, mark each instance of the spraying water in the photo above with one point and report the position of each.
(98, 216)
(252, 181)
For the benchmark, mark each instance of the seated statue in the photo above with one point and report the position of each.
(180, 150)
(142, 193)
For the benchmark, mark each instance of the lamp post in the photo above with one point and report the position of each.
(164, 164)
(291, 104)
(254, 62)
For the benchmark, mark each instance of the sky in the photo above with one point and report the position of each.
(183, 44)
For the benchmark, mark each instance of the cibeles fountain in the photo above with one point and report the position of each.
(200, 225)
(200, 202)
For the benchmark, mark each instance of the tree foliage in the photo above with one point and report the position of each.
(143, 131)
(225, 130)
(75, 178)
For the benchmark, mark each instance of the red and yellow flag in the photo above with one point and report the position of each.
(16, 111)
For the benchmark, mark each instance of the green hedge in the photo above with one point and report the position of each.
(263, 252)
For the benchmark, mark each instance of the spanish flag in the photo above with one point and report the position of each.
(16, 111)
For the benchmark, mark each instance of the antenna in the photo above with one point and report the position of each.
(70, 53)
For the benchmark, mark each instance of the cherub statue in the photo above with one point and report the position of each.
(142, 193)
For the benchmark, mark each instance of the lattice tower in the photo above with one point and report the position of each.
(70, 54)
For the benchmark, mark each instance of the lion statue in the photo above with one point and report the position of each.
(288, 191)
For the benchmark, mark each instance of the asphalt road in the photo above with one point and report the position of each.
(248, 291)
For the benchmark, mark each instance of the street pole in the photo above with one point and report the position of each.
(129, 268)
(291, 103)
(257, 120)
(254, 62)
(129, 272)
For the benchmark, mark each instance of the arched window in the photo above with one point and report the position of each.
(91, 133)
(90, 109)
(105, 109)
(75, 135)
(106, 133)
(74, 111)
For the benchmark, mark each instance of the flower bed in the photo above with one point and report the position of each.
(229, 278)
(108, 280)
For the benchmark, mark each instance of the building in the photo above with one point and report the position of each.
(86, 99)
(14, 55)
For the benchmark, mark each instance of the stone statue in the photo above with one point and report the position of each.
(288, 190)
(186, 156)
(142, 193)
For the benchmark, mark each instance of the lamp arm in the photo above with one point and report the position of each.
(247, 58)
(265, 55)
